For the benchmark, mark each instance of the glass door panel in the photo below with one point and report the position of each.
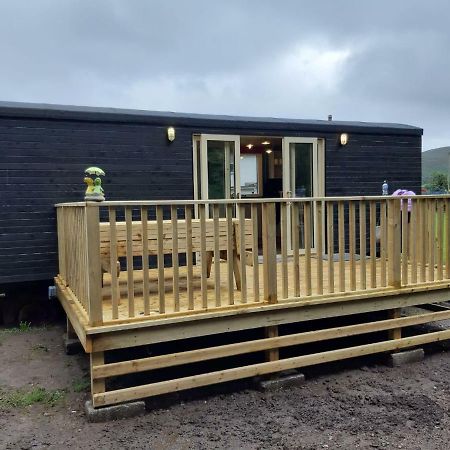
(300, 179)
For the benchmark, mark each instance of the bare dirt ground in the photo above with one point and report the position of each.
(355, 407)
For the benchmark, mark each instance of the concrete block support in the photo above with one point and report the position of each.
(115, 412)
(406, 357)
(282, 381)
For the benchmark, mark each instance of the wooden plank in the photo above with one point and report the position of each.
(439, 240)
(93, 269)
(269, 252)
(203, 256)
(255, 251)
(431, 238)
(352, 244)
(230, 250)
(217, 291)
(405, 243)
(373, 246)
(341, 237)
(296, 249)
(423, 240)
(190, 269)
(319, 246)
(284, 239)
(60, 221)
(160, 260)
(175, 258)
(383, 241)
(308, 245)
(362, 246)
(273, 354)
(129, 258)
(222, 376)
(227, 350)
(115, 292)
(242, 253)
(447, 238)
(413, 240)
(330, 245)
(145, 262)
(394, 243)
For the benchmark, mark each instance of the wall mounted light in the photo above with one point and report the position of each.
(343, 138)
(171, 134)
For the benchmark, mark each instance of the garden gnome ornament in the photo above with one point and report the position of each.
(94, 190)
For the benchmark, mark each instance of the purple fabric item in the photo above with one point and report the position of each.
(404, 192)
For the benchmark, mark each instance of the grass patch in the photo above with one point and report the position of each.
(81, 385)
(21, 398)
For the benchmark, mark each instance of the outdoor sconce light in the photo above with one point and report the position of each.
(343, 138)
(171, 134)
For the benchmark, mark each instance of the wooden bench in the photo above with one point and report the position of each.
(167, 236)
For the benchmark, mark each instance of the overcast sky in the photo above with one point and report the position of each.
(384, 60)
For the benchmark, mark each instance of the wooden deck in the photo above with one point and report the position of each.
(232, 285)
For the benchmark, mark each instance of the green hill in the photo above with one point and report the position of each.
(435, 160)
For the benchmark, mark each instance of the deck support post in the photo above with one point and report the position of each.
(97, 384)
(94, 267)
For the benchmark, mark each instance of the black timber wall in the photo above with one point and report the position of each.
(42, 162)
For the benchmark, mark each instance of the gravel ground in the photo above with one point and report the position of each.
(354, 407)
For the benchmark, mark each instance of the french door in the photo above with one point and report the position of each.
(216, 167)
(303, 167)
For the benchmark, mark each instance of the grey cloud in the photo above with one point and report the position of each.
(360, 60)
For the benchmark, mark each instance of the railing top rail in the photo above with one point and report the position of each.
(246, 200)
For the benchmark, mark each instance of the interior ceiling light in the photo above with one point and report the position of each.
(269, 150)
(265, 143)
(249, 146)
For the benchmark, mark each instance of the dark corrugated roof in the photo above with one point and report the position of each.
(88, 113)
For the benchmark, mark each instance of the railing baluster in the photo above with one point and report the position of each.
(203, 256)
(255, 251)
(189, 265)
(175, 258)
(423, 241)
(308, 244)
(341, 233)
(447, 239)
(439, 240)
(413, 239)
(145, 265)
(330, 245)
(431, 238)
(284, 238)
(405, 240)
(242, 253)
(383, 241)
(319, 246)
(230, 262)
(216, 234)
(129, 258)
(115, 289)
(362, 246)
(296, 249)
(373, 244)
(352, 244)
(160, 259)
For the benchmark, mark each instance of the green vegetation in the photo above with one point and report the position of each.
(437, 182)
(81, 385)
(21, 398)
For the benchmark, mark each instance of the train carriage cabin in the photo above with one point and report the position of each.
(220, 236)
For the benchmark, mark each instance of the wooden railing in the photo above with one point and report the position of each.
(134, 260)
